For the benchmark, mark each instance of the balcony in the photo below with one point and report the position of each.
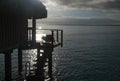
(44, 38)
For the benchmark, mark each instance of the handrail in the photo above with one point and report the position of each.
(50, 29)
(56, 36)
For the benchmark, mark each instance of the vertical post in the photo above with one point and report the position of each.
(40, 65)
(38, 61)
(52, 36)
(34, 31)
(20, 61)
(61, 38)
(57, 36)
(50, 65)
(8, 65)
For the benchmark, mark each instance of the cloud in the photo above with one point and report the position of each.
(89, 4)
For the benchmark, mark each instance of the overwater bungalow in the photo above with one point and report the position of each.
(13, 21)
(15, 34)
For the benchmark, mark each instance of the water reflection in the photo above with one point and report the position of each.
(39, 34)
(39, 37)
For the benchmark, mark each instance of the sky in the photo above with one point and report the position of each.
(83, 9)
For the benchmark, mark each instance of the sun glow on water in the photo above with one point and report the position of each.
(39, 37)
(40, 34)
(39, 27)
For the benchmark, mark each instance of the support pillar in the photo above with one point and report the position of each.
(53, 37)
(40, 65)
(49, 52)
(50, 66)
(20, 61)
(8, 66)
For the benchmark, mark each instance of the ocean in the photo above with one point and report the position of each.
(90, 53)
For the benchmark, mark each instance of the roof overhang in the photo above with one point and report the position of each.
(23, 8)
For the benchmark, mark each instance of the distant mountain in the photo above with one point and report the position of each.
(82, 21)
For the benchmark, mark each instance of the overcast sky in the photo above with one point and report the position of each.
(83, 9)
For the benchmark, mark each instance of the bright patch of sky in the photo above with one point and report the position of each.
(83, 9)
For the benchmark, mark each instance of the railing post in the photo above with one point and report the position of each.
(52, 36)
(61, 38)
(57, 34)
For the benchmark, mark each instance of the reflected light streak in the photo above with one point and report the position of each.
(39, 27)
(39, 37)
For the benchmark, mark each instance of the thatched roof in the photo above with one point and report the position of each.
(23, 8)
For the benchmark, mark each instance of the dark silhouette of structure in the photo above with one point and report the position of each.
(15, 34)
(13, 21)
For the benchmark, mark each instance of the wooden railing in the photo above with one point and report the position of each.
(55, 36)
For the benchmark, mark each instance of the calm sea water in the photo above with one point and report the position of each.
(90, 53)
